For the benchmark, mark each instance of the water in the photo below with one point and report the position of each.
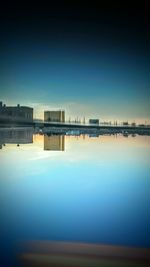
(89, 189)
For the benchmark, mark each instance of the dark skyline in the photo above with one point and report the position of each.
(89, 60)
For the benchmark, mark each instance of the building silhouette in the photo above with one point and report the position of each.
(54, 142)
(125, 123)
(15, 113)
(93, 121)
(54, 116)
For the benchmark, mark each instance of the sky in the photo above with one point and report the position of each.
(92, 61)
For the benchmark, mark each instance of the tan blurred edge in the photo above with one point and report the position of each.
(73, 254)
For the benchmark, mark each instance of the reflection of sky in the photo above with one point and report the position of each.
(97, 190)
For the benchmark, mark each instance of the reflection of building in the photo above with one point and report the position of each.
(93, 135)
(73, 132)
(16, 136)
(15, 114)
(94, 121)
(54, 142)
(54, 116)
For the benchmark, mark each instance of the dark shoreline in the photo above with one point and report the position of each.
(77, 129)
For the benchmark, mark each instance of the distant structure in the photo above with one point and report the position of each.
(93, 121)
(54, 116)
(125, 123)
(141, 125)
(15, 113)
(54, 142)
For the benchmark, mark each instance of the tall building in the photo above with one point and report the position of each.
(54, 116)
(54, 142)
(15, 113)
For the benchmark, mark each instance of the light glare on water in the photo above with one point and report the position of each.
(94, 190)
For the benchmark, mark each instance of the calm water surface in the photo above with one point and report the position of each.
(90, 189)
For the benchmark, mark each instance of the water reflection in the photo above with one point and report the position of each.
(54, 142)
(97, 191)
(21, 136)
(16, 136)
(51, 141)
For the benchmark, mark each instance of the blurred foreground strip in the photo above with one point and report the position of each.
(45, 253)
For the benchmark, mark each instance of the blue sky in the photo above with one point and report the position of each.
(88, 67)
